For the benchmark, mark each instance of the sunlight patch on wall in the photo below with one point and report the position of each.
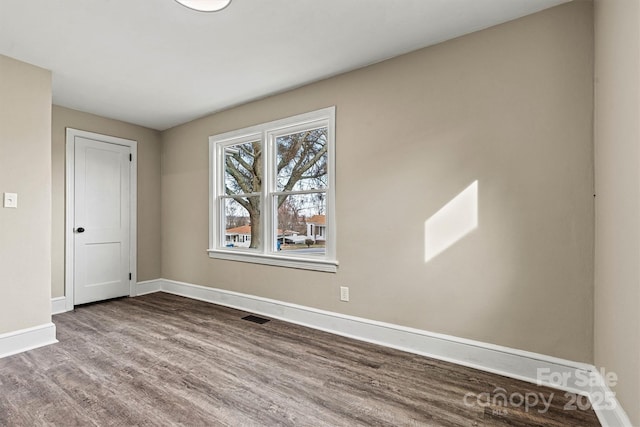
(451, 223)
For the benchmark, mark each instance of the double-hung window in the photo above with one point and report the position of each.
(273, 193)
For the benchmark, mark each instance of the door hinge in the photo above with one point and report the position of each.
(129, 276)
(130, 157)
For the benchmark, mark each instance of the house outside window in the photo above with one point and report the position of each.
(316, 226)
(272, 193)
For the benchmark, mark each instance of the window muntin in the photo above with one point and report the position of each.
(272, 198)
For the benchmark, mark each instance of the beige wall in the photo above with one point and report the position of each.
(617, 146)
(511, 107)
(25, 168)
(148, 188)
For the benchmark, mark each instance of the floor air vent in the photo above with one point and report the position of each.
(255, 319)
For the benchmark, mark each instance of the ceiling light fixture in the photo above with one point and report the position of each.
(205, 5)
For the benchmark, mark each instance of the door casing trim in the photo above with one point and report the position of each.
(70, 201)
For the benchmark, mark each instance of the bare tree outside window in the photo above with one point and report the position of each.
(243, 183)
(273, 193)
(300, 185)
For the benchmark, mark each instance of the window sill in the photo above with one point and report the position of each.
(274, 260)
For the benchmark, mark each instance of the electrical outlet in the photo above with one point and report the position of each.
(10, 200)
(344, 293)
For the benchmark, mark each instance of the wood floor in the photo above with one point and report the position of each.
(161, 360)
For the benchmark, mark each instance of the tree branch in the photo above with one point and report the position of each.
(300, 169)
(240, 179)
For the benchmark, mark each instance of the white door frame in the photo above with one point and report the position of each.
(70, 208)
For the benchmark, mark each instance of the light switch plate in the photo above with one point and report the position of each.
(10, 200)
(344, 293)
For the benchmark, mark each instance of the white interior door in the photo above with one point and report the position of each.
(102, 210)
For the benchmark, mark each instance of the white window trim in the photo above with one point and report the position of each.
(267, 132)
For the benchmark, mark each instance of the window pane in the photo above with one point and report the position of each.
(241, 214)
(243, 168)
(302, 160)
(302, 225)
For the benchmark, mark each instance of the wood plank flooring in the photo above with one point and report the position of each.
(161, 360)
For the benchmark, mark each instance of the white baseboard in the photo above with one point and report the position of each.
(577, 377)
(58, 305)
(148, 287)
(27, 339)
(615, 416)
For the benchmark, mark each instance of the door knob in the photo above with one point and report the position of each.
(80, 230)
